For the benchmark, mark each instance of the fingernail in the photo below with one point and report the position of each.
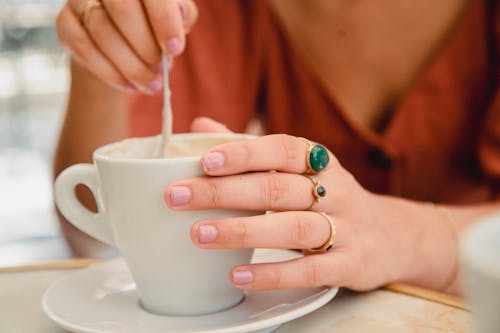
(212, 161)
(174, 46)
(179, 195)
(156, 85)
(206, 233)
(185, 11)
(242, 277)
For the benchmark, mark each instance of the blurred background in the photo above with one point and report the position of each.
(33, 82)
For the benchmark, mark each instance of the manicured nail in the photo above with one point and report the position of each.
(174, 46)
(242, 277)
(179, 195)
(206, 233)
(185, 11)
(212, 161)
(155, 86)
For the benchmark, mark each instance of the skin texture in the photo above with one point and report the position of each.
(121, 43)
(100, 83)
(373, 51)
(380, 239)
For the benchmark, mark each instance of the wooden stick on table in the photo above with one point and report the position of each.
(427, 294)
(63, 264)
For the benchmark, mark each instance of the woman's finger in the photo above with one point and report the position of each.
(330, 269)
(278, 152)
(131, 20)
(114, 46)
(287, 230)
(74, 38)
(208, 125)
(167, 23)
(274, 191)
(189, 13)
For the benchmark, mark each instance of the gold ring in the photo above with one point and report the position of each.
(318, 191)
(316, 158)
(87, 8)
(329, 243)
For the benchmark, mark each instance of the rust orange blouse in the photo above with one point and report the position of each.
(442, 143)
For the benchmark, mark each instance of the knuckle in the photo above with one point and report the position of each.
(214, 194)
(247, 153)
(60, 25)
(152, 57)
(312, 275)
(240, 233)
(194, 13)
(301, 233)
(341, 198)
(63, 25)
(290, 148)
(138, 75)
(95, 29)
(273, 191)
(278, 279)
(119, 7)
(80, 44)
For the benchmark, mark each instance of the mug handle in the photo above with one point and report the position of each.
(94, 224)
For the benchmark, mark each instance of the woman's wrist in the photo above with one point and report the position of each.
(425, 243)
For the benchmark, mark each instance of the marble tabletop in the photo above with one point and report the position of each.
(383, 310)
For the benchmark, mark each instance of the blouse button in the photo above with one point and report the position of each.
(380, 159)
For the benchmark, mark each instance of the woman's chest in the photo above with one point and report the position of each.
(368, 53)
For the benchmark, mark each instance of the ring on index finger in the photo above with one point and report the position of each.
(87, 9)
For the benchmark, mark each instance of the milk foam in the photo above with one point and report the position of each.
(147, 148)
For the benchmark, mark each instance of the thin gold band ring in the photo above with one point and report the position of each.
(331, 238)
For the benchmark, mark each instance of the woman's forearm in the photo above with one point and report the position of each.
(431, 238)
(96, 114)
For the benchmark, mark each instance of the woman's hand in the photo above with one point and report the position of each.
(120, 41)
(368, 251)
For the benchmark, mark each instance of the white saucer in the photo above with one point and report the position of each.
(103, 299)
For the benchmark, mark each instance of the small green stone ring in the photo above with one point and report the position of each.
(318, 191)
(316, 158)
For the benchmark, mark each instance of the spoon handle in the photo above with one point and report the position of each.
(167, 109)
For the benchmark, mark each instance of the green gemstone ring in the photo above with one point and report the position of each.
(316, 158)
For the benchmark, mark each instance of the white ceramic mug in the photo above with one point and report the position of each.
(173, 276)
(480, 255)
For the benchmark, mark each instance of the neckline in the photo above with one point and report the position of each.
(379, 139)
